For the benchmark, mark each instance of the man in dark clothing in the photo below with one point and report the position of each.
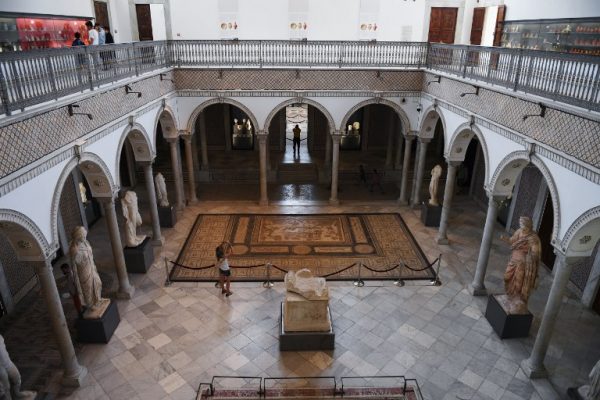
(296, 139)
(108, 36)
(77, 41)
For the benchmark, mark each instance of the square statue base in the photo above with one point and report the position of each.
(139, 259)
(507, 325)
(431, 215)
(167, 216)
(98, 330)
(295, 341)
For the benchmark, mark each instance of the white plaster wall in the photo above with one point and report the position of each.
(256, 20)
(395, 15)
(34, 199)
(338, 107)
(120, 20)
(498, 147)
(528, 9)
(192, 19)
(186, 106)
(107, 149)
(157, 14)
(78, 8)
(147, 121)
(489, 26)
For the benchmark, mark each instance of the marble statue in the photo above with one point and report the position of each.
(306, 305)
(10, 377)
(248, 127)
(161, 190)
(238, 129)
(591, 391)
(83, 193)
(349, 129)
(522, 269)
(436, 172)
(133, 219)
(87, 279)
(356, 126)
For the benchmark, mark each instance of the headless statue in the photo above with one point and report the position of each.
(10, 377)
(161, 190)
(436, 172)
(133, 219)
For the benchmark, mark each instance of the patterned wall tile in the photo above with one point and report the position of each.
(582, 269)
(69, 207)
(529, 185)
(17, 273)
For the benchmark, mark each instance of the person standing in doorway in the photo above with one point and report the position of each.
(92, 34)
(101, 33)
(109, 39)
(223, 252)
(296, 140)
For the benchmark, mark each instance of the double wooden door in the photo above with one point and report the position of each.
(101, 12)
(442, 24)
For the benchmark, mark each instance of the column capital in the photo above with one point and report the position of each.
(187, 137)
(454, 163)
(424, 140)
(409, 137)
(171, 140)
(184, 132)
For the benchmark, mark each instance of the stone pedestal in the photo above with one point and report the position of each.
(99, 330)
(431, 215)
(296, 341)
(302, 315)
(139, 259)
(507, 325)
(579, 393)
(167, 216)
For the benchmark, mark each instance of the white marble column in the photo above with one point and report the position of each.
(592, 285)
(203, 144)
(335, 141)
(189, 161)
(477, 287)
(74, 373)
(403, 200)
(423, 142)
(399, 147)
(125, 290)
(262, 149)
(175, 166)
(389, 157)
(148, 176)
(533, 367)
(442, 237)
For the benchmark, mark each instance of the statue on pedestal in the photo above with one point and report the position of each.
(238, 129)
(10, 377)
(522, 269)
(248, 128)
(161, 190)
(133, 219)
(588, 392)
(83, 193)
(436, 172)
(86, 275)
(306, 306)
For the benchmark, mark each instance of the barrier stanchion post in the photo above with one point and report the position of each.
(399, 281)
(167, 280)
(436, 281)
(268, 283)
(359, 282)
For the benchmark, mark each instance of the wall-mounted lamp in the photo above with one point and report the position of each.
(476, 92)
(71, 107)
(378, 74)
(220, 75)
(129, 90)
(403, 100)
(163, 77)
(297, 74)
(541, 114)
(419, 107)
(436, 80)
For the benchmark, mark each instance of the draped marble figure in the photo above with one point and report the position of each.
(133, 219)
(86, 275)
(436, 172)
(161, 190)
(522, 269)
(10, 377)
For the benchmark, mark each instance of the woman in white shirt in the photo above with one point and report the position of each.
(223, 251)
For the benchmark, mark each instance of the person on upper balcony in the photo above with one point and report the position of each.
(101, 33)
(92, 33)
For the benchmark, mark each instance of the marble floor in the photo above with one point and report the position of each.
(172, 338)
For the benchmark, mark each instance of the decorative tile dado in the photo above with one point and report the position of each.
(576, 136)
(295, 93)
(284, 79)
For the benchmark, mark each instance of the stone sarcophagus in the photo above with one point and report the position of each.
(306, 303)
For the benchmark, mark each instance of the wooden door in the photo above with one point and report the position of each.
(477, 26)
(144, 21)
(545, 234)
(499, 25)
(442, 24)
(101, 12)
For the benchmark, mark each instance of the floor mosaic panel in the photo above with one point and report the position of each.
(330, 245)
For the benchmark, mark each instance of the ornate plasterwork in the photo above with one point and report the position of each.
(583, 234)
(220, 100)
(379, 100)
(27, 240)
(168, 122)
(505, 176)
(459, 141)
(429, 120)
(140, 143)
(302, 100)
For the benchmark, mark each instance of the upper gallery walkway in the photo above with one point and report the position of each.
(39, 76)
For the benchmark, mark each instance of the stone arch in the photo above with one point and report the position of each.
(430, 118)
(459, 141)
(301, 100)
(378, 100)
(167, 119)
(141, 144)
(25, 237)
(218, 100)
(582, 235)
(506, 174)
(97, 175)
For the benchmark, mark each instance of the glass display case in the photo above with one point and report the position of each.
(577, 36)
(27, 33)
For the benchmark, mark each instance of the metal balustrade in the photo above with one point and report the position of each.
(34, 77)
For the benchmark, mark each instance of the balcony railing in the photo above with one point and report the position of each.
(34, 77)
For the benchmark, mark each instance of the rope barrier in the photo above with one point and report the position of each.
(382, 271)
(422, 269)
(338, 272)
